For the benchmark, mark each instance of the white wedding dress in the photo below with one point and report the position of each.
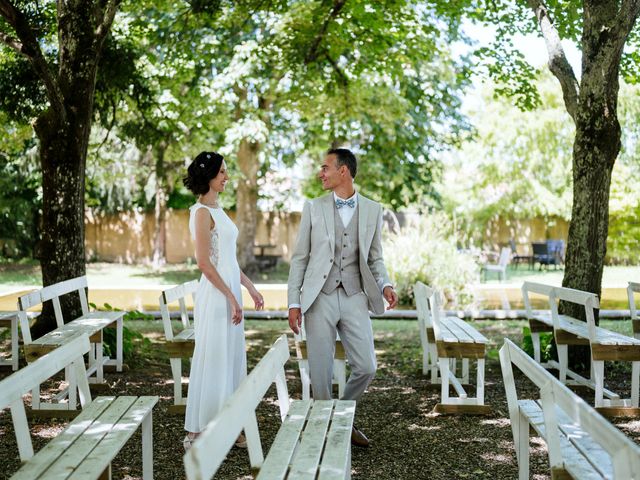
(219, 360)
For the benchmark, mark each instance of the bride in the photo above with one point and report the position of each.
(219, 360)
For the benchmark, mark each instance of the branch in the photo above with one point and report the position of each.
(558, 63)
(30, 48)
(107, 19)
(313, 51)
(11, 42)
(626, 19)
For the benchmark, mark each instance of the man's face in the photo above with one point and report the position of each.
(330, 175)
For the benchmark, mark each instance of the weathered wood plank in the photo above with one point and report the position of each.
(119, 433)
(100, 426)
(64, 440)
(460, 350)
(336, 459)
(306, 460)
(276, 464)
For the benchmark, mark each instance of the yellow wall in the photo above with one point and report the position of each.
(498, 232)
(127, 237)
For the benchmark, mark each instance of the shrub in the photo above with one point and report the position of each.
(129, 337)
(426, 251)
(547, 346)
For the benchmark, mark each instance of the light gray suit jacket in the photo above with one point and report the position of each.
(313, 254)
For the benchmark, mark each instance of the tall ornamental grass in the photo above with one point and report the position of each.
(425, 251)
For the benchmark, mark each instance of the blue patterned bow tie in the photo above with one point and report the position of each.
(341, 203)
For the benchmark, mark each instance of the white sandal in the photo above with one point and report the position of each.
(187, 442)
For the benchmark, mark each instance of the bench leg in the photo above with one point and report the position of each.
(635, 383)
(35, 397)
(433, 364)
(147, 447)
(480, 380)
(14, 343)
(304, 379)
(563, 357)
(176, 371)
(340, 375)
(535, 339)
(598, 373)
(119, 345)
(444, 374)
(99, 363)
(522, 447)
(70, 375)
(465, 370)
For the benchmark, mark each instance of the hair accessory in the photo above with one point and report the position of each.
(208, 156)
(202, 165)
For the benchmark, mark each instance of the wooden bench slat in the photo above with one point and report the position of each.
(56, 447)
(120, 433)
(283, 447)
(185, 335)
(474, 334)
(456, 331)
(334, 462)
(574, 461)
(306, 460)
(99, 427)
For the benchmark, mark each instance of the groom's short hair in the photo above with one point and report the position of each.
(345, 157)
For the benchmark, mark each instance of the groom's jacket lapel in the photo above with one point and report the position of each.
(327, 211)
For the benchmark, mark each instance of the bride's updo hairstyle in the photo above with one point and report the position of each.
(202, 170)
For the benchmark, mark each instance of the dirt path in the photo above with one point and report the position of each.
(408, 441)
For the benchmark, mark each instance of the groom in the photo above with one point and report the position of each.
(337, 275)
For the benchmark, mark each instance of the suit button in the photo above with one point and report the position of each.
(324, 276)
(345, 234)
(337, 281)
(331, 260)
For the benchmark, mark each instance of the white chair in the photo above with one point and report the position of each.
(501, 267)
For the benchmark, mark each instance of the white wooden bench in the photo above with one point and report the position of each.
(90, 323)
(85, 449)
(180, 344)
(454, 339)
(635, 319)
(581, 443)
(10, 320)
(605, 345)
(339, 364)
(314, 440)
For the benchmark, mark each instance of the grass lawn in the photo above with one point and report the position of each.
(27, 274)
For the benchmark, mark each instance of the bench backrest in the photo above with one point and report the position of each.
(625, 454)
(177, 293)
(428, 308)
(631, 289)
(52, 293)
(15, 386)
(554, 294)
(210, 449)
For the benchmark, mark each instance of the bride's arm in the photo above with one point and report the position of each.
(251, 288)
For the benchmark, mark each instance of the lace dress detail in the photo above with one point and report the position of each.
(214, 252)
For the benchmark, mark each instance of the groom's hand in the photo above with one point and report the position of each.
(295, 319)
(390, 296)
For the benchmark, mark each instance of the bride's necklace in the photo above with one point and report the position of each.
(212, 205)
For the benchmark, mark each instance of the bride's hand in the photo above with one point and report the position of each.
(236, 312)
(257, 299)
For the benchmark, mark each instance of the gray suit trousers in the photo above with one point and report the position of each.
(349, 316)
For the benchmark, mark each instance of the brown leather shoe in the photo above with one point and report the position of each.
(358, 438)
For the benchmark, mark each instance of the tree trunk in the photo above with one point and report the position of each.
(596, 147)
(247, 203)
(160, 214)
(63, 131)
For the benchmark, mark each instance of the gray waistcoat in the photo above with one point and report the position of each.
(346, 265)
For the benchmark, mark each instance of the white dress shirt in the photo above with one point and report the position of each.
(346, 212)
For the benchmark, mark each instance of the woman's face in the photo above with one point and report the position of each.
(218, 183)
